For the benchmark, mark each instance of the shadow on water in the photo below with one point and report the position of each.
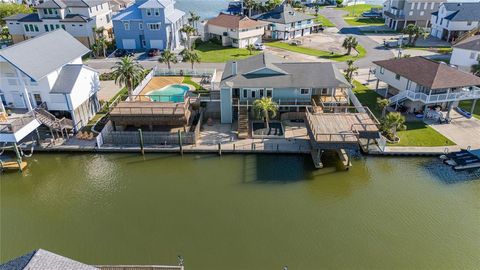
(446, 175)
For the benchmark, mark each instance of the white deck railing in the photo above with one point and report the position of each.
(464, 94)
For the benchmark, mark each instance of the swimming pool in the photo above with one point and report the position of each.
(169, 93)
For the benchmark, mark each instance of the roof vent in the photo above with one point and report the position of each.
(459, 4)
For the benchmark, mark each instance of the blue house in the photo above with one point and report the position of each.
(149, 24)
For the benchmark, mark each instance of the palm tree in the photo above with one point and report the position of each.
(350, 70)
(250, 48)
(188, 30)
(167, 57)
(393, 122)
(383, 103)
(350, 43)
(410, 30)
(249, 4)
(96, 49)
(265, 108)
(102, 43)
(127, 73)
(476, 69)
(190, 56)
(419, 32)
(193, 19)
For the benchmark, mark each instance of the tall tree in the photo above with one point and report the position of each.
(350, 43)
(419, 32)
(250, 48)
(383, 103)
(249, 5)
(128, 73)
(265, 108)
(393, 122)
(189, 31)
(9, 9)
(190, 56)
(410, 30)
(167, 57)
(351, 68)
(193, 19)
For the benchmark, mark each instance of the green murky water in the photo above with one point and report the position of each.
(243, 212)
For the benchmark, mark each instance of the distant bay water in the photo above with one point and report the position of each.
(207, 9)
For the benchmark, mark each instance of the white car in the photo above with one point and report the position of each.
(259, 46)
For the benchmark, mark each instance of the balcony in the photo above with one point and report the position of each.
(464, 94)
(15, 127)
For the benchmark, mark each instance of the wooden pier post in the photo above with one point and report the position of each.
(180, 142)
(140, 135)
(19, 157)
(219, 149)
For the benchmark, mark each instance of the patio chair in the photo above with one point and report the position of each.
(3, 117)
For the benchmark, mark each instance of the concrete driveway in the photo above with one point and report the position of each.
(462, 131)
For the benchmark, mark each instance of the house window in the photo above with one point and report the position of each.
(37, 98)
(409, 84)
(153, 26)
(46, 28)
(52, 27)
(144, 43)
(30, 27)
(472, 55)
(410, 13)
(126, 25)
(425, 5)
(26, 27)
(140, 26)
(432, 6)
(156, 11)
(304, 91)
(245, 94)
(324, 91)
(149, 12)
(236, 92)
(253, 93)
(413, 5)
(269, 92)
(382, 70)
(422, 13)
(63, 26)
(397, 76)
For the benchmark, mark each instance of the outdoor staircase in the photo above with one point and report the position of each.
(242, 122)
(398, 98)
(51, 121)
(474, 31)
(317, 108)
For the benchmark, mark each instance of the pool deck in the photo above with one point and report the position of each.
(159, 82)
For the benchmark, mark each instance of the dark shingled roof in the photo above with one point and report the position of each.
(283, 14)
(265, 70)
(52, 4)
(32, 17)
(471, 43)
(463, 11)
(75, 18)
(429, 73)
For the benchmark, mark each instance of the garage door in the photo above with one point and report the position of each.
(156, 44)
(128, 44)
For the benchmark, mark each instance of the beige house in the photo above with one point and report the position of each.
(233, 30)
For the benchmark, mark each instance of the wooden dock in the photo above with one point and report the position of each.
(11, 166)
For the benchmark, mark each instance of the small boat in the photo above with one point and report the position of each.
(461, 111)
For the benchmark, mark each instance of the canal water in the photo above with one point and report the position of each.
(243, 212)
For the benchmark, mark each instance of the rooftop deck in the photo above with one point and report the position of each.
(146, 108)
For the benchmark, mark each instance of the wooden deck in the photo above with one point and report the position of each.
(148, 108)
(12, 166)
(341, 127)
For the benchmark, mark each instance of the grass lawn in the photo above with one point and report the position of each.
(214, 53)
(355, 21)
(357, 10)
(319, 53)
(104, 110)
(419, 134)
(440, 50)
(323, 20)
(467, 105)
(188, 80)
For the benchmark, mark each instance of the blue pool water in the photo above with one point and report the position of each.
(170, 93)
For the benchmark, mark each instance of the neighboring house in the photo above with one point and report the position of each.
(149, 24)
(291, 85)
(454, 19)
(234, 30)
(400, 13)
(466, 53)
(43, 259)
(119, 5)
(284, 23)
(417, 82)
(79, 18)
(48, 71)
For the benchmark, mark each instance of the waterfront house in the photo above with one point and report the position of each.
(78, 18)
(453, 19)
(47, 72)
(466, 53)
(418, 83)
(284, 22)
(400, 13)
(292, 85)
(149, 24)
(234, 30)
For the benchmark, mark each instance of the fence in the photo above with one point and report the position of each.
(144, 82)
(355, 101)
(292, 116)
(185, 72)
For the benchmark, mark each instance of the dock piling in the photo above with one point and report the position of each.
(140, 134)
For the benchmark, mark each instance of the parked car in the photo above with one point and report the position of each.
(130, 53)
(120, 53)
(153, 52)
(259, 46)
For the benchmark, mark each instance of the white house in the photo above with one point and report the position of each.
(418, 83)
(284, 23)
(48, 71)
(453, 19)
(234, 30)
(78, 18)
(466, 53)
